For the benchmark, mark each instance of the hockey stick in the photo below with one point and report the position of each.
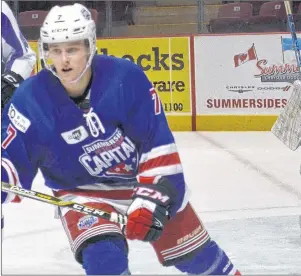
(113, 216)
(291, 24)
(287, 127)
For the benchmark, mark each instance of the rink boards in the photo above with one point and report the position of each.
(213, 82)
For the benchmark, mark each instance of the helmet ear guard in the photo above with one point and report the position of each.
(67, 24)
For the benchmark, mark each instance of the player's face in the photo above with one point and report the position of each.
(69, 59)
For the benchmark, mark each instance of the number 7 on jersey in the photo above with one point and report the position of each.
(11, 135)
(156, 99)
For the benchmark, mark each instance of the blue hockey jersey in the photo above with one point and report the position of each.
(124, 136)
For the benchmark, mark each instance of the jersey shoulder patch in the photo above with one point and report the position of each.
(18, 119)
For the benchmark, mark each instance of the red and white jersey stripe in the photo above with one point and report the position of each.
(162, 160)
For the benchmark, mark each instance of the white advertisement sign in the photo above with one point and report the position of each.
(244, 74)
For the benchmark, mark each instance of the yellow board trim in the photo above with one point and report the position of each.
(179, 123)
(222, 122)
(235, 122)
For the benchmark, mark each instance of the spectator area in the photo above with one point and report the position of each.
(170, 17)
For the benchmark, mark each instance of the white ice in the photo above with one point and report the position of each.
(246, 187)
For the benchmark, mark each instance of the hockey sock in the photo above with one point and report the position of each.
(106, 257)
(211, 260)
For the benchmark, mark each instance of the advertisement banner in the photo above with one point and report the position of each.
(165, 61)
(244, 74)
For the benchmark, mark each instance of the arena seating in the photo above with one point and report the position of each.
(232, 18)
(239, 17)
(174, 17)
(271, 18)
(30, 23)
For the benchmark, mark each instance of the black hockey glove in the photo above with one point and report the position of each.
(9, 82)
(149, 211)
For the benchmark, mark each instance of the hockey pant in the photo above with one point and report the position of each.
(184, 243)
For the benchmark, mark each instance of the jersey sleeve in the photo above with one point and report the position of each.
(19, 164)
(147, 125)
(16, 52)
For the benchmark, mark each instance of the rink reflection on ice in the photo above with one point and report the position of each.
(245, 186)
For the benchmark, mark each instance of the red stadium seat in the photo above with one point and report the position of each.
(30, 23)
(271, 18)
(94, 15)
(99, 19)
(232, 18)
(275, 8)
(32, 18)
(240, 10)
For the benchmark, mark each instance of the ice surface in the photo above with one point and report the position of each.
(244, 185)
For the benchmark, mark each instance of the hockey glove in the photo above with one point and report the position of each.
(9, 82)
(149, 211)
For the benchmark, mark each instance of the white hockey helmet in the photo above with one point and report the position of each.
(66, 24)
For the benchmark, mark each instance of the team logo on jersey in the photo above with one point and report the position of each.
(116, 156)
(75, 136)
(86, 222)
(18, 119)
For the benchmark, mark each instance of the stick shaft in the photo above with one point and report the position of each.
(288, 9)
(291, 24)
(52, 200)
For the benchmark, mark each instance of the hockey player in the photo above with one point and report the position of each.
(17, 57)
(96, 129)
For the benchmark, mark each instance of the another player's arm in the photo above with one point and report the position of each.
(17, 56)
(18, 164)
(161, 181)
(22, 58)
